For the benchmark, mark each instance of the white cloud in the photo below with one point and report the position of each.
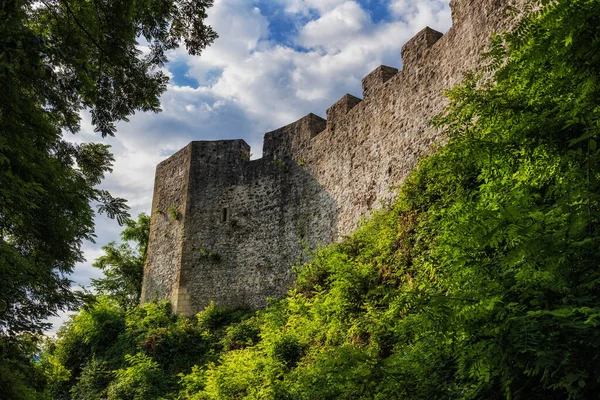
(275, 84)
(305, 6)
(435, 13)
(335, 28)
(240, 26)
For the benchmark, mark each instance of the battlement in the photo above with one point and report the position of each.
(414, 50)
(221, 152)
(291, 139)
(373, 83)
(227, 229)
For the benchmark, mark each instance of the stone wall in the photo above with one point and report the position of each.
(244, 223)
(163, 262)
(239, 224)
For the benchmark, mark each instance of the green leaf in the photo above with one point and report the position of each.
(568, 40)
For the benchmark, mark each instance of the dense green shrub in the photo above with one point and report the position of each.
(21, 376)
(241, 335)
(107, 352)
(288, 350)
(140, 380)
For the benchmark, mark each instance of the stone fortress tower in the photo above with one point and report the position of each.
(228, 229)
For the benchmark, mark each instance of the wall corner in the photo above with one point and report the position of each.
(290, 140)
(163, 262)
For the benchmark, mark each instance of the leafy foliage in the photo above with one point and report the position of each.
(174, 213)
(123, 267)
(21, 377)
(57, 59)
(105, 351)
(141, 380)
(482, 280)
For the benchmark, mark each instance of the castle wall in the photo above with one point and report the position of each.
(163, 262)
(228, 229)
(369, 147)
(244, 223)
(242, 254)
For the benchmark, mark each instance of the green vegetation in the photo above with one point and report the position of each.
(279, 163)
(58, 58)
(209, 255)
(123, 266)
(174, 213)
(112, 354)
(481, 281)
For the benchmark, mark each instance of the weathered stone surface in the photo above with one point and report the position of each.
(244, 223)
(416, 48)
(164, 252)
(292, 138)
(338, 111)
(373, 82)
(237, 234)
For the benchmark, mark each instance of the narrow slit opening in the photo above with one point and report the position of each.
(225, 215)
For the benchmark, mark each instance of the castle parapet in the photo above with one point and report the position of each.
(219, 159)
(372, 83)
(291, 139)
(415, 48)
(338, 111)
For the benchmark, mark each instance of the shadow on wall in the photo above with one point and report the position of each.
(242, 225)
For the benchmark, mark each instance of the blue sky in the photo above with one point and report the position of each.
(274, 62)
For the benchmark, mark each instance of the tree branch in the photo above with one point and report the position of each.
(92, 39)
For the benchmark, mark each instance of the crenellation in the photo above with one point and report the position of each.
(218, 155)
(415, 49)
(291, 139)
(241, 224)
(338, 111)
(373, 83)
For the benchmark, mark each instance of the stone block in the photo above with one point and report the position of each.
(338, 111)
(414, 50)
(375, 80)
(288, 141)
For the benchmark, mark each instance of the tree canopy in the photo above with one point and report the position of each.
(57, 59)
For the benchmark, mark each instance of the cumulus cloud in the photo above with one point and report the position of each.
(335, 28)
(275, 84)
(305, 6)
(422, 13)
(241, 27)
